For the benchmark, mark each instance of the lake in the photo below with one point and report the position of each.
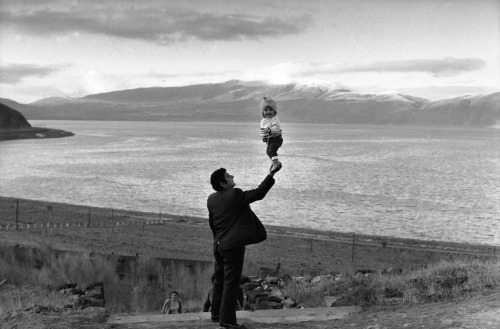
(412, 182)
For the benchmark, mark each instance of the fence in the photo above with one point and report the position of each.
(24, 226)
(340, 248)
(29, 214)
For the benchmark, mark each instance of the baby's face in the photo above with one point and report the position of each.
(268, 112)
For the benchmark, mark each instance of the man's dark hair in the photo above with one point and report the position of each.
(218, 176)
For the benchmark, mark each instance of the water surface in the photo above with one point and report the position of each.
(426, 183)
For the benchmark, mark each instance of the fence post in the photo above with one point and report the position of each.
(352, 253)
(17, 214)
(51, 216)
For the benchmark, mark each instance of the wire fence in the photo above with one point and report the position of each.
(22, 215)
(26, 226)
(27, 214)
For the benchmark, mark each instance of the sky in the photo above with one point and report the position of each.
(70, 48)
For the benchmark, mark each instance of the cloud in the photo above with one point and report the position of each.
(14, 73)
(437, 67)
(195, 74)
(148, 21)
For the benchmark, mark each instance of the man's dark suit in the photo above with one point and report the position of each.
(224, 207)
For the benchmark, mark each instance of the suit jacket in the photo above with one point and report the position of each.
(226, 206)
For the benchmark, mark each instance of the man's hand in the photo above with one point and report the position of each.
(275, 167)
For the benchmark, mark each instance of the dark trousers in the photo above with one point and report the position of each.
(273, 144)
(227, 276)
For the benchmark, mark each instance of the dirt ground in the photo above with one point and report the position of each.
(477, 312)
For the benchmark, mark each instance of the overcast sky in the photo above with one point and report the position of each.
(430, 48)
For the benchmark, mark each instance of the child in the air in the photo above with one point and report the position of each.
(270, 129)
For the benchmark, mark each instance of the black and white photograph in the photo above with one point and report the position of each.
(274, 164)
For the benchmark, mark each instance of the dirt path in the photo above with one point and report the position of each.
(478, 312)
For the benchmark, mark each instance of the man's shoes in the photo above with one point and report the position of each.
(232, 326)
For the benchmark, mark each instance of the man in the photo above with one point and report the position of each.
(224, 206)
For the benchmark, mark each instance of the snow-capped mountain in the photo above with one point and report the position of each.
(238, 101)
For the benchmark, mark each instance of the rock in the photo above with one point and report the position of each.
(268, 305)
(364, 272)
(300, 279)
(271, 279)
(277, 292)
(92, 296)
(267, 293)
(287, 303)
(250, 286)
(329, 300)
(316, 279)
(393, 270)
(286, 278)
(252, 296)
(268, 298)
(322, 278)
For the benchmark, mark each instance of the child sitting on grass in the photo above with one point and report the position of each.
(270, 129)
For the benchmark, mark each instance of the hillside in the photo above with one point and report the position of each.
(11, 119)
(238, 101)
(13, 125)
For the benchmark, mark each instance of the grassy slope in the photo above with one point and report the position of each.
(298, 250)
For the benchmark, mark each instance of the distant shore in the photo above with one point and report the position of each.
(32, 133)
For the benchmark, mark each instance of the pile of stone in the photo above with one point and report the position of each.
(90, 296)
(267, 293)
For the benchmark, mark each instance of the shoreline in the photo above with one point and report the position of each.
(285, 230)
(189, 237)
(32, 133)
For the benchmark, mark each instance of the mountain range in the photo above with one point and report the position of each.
(239, 101)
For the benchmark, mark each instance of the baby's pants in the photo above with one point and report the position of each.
(273, 144)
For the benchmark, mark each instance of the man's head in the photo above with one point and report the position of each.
(221, 180)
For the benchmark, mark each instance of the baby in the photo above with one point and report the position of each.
(270, 129)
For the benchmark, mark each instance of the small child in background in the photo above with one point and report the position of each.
(270, 129)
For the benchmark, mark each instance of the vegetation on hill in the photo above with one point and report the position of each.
(12, 119)
(25, 289)
(13, 125)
